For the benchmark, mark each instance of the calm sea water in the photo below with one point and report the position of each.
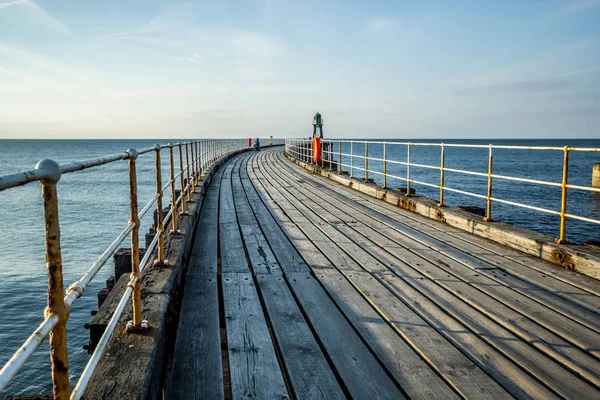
(94, 208)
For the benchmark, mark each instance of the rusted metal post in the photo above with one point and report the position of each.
(136, 296)
(198, 166)
(322, 154)
(173, 195)
(160, 256)
(407, 194)
(384, 166)
(488, 212)
(442, 165)
(187, 172)
(563, 200)
(202, 158)
(182, 180)
(56, 304)
(193, 162)
(366, 161)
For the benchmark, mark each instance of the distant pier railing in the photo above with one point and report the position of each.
(333, 155)
(195, 158)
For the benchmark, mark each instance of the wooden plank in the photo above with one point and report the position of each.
(506, 373)
(361, 373)
(196, 369)
(457, 369)
(261, 257)
(232, 253)
(287, 256)
(253, 366)
(308, 371)
(415, 377)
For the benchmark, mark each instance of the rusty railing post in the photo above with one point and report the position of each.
(137, 323)
(198, 166)
(193, 162)
(56, 304)
(563, 200)
(442, 165)
(366, 161)
(322, 154)
(187, 173)
(488, 198)
(202, 158)
(407, 194)
(160, 252)
(173, 193)
(182, 180)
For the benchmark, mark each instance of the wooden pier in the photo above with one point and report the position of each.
(298, 287)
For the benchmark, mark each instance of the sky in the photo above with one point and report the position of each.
(373, 69)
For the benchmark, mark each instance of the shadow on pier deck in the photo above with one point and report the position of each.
(301, 288)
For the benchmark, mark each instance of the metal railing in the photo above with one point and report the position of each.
(301, 149)
(195, 159)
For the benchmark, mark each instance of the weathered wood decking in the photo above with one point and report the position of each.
(300, 288)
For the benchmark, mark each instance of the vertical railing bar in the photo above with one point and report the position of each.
(366, 161)
(193, 162)
(330, 152)
(339, 157)
(352, 159)
(442, 165)
(181, 180)
(160, 256)
(488, 212)
(563, 200)
(187, 173)
(56, 305)
(173, 192)
(137, 324)
(384, 165)
(407, 170)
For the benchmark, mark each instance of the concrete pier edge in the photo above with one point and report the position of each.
(572, 257)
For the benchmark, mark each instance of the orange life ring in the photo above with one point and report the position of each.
(316, 150)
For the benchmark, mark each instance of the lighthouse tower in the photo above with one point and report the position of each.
(318, 123)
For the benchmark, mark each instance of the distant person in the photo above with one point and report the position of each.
(257, 144)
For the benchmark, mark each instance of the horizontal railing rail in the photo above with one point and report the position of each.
(196, 157)
(302, 149)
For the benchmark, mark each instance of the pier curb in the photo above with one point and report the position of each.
(571, 257)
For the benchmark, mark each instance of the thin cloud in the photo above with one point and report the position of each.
(530, 86)
(39, 13)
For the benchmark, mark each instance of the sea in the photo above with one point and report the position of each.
(94, 209)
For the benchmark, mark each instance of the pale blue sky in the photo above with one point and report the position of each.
(404, 69)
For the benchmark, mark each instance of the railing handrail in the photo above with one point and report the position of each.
(204, 153)
(301, 149)
(465, 145)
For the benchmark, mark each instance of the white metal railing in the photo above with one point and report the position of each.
(195, 158)
(302, 149)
